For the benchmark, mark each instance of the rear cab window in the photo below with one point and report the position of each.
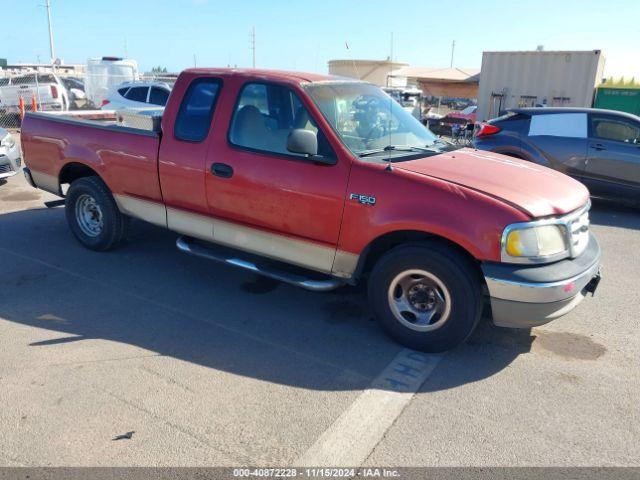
(196, 110)
(264, 116)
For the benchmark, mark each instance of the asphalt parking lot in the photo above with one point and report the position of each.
(209, 365)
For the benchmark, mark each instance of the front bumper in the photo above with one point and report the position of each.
(524, 296)
(10, 161)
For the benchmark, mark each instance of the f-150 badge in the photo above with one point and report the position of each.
(363, 199)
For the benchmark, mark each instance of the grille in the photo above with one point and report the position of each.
(5, 169)
(579, 233)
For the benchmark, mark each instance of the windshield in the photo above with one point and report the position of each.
(368, 119)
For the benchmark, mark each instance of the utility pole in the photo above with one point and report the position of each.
(390, 60)
(52, 51)
(195, 64)
(126, 50)
(453, 47)
(253, 45)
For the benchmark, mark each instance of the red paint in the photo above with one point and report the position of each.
(465, 196)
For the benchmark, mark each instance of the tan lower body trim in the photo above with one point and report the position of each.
(151, 212)
(278, 247)
(192, 224)
(46, 182)
(345, 264)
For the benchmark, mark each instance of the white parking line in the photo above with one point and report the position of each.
(353, 436)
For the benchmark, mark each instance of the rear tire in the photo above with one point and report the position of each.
(426, 296)
(93, 216)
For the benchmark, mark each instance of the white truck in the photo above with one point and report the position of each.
(46, 88)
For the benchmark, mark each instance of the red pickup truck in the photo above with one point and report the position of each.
(319, 182)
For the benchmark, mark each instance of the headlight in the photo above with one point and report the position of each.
(522, 244)
(8, 141)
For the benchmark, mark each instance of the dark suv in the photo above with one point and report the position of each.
(600, 148)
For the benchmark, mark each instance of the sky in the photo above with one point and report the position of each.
(304, 35)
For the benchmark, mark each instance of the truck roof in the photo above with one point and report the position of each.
(297, 77)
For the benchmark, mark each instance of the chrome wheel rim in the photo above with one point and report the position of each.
(89, 215)
(419, 300)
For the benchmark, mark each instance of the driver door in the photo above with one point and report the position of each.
(273, 202)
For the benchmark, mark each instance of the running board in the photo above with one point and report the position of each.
(188, 245)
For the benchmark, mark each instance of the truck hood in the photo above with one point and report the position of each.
(534, 189)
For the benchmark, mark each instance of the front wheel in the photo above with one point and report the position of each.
(426, 296)
(93, 216)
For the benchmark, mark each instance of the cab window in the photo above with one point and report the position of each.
(196, 110)
(265, 115)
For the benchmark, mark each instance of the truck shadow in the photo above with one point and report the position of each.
(148, 295)
(611, 214)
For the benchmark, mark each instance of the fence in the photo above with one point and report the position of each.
(43, 91)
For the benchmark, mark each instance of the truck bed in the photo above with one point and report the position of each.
(131, 121)
(93, 138)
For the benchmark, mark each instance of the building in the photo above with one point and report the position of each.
(374, 71)
(527, 79)
(73, 69)
(439, 82)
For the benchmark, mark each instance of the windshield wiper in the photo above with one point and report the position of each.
(396, 148)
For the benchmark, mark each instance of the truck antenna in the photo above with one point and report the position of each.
(388, 167)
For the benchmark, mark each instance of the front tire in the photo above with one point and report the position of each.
(426, 296)
(93, 216)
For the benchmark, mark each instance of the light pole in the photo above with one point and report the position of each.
(52, 51)
(253, 46)
(453, 47)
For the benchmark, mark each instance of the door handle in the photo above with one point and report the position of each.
(598, 146)
(222, 170)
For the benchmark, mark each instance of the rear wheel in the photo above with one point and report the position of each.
(427, 296)
(93, 216)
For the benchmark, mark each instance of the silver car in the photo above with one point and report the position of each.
(10, 160)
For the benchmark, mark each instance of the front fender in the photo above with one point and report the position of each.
(407, 202)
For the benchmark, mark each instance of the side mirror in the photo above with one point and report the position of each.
(303, 141)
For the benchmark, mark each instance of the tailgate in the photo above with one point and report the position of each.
(10, 95)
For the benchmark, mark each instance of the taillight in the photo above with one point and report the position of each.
(105, 102)
(54, 91)
(483, 129)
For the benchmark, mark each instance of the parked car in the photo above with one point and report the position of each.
(457, 119)
(600, 148)
(10, 160)
(46, 88)
(432, 115)
(468, 114)
(103, 74)
(75, 90)
(136, 95)
(319, 181)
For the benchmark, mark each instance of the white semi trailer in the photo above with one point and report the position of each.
(537, 78)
